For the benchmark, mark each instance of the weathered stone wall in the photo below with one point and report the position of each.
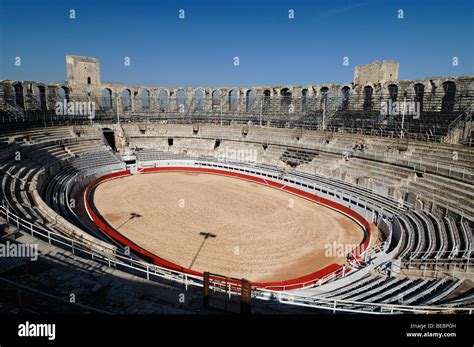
(376, 72)
(200, 98)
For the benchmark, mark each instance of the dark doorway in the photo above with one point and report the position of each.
(393, 92)
(19, 95)
(346, 94)
(42, 97)
(368, 91)
(109, 137)
(266, 101)
(449, 88)
(419, 93)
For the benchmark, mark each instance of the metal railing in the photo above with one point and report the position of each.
(343, 110)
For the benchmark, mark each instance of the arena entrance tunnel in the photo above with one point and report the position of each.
(109, 136)
(357, 256)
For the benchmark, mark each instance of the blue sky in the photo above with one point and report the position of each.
(199, 50)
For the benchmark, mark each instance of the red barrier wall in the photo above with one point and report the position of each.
(281, 285)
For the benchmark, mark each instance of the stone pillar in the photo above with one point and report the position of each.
(224, 99)
(172, 100)
(207, 100)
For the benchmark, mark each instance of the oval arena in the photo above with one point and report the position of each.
(226, 225)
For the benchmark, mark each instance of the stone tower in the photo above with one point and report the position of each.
(83, 74)
(376, 72)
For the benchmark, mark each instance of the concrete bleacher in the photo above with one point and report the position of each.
(101, 157)
(295, 157)
(430, 233)
(21, 171)
(152, 154)
(394, 290)
(82, 147)
(441, 235)
(446, 193)
(56, 189)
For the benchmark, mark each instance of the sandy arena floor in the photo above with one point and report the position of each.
(261, 233)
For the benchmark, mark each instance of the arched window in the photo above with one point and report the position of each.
(232, 100)
(368, 91)
(42, 96)
(393, 92)
(266, 101)
(180, 99)
(285, 99)
(163, 99)
(447, 104)
(433, 88)
(346, 98)
(324, 91)
(250, 98)
(145, 99)
(419, 93)
(107, 98)
(126, 99)
(198, 99)
(216, 98)
(61, 95)
(19, 100)
(304, 99)
(64, 93)
(37, 96)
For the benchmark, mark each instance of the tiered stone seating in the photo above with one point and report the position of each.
(384, 174)
(38, 135)
(83, 147)
(94, 159)
(151, 154)
(436, 234)
(445, 193)
(295, 157)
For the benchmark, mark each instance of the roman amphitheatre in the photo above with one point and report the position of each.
(148, 198)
